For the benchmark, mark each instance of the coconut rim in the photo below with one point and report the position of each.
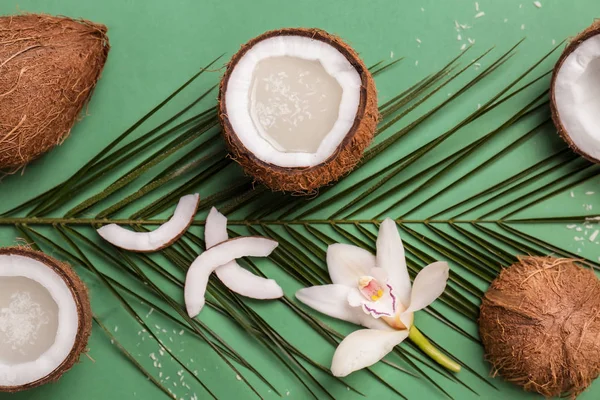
(84, 313)
(312, 33)
(593, 30)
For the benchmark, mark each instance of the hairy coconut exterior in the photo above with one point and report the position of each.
(49, 67)
(84, 312)
(348, 154)
(540, 326)
(582, 37)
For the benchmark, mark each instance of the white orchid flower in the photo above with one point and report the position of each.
(375, 292)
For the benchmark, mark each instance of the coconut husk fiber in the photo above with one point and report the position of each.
(49, 67)
(540, 326)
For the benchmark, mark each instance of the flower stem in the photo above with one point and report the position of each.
(425, 345)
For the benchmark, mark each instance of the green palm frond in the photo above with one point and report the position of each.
(428, 181)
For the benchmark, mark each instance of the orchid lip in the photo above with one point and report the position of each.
(370, 288)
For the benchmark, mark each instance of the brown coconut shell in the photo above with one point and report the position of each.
(349, 152)
(84, 311)
(593, 30)
(540, 326)
(49, 67)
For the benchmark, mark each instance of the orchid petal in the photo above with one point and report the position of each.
(231, 274)
(348, 263)
(379, 273)
(364, 348)
(407, 318)
(332, 300)
(390, 256)
(429, 285)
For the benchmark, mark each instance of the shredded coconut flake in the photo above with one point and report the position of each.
(21, 321)
(594, 235)
(479, 14)
(537, 4)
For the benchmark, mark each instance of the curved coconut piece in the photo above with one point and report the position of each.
(233, 276)
(164, 236)
(49, 68)
(221, 254)
(575, 94)
(297, 166)
(540, 323)
(23, 321)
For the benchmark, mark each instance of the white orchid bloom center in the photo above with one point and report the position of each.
(371, 288)
(376, 296)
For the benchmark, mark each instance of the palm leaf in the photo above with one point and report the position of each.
(480, 231)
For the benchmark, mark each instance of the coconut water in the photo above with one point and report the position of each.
(28, 320)
(294, 103)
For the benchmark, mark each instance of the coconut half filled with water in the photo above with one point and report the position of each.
(575, 94)
(45, 319)
(298, 108)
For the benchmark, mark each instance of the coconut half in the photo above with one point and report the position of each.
(220, 254)
(164, 236)
(45, 319)
(298, 108)
(575, 94)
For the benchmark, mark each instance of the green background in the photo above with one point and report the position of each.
(158, 44)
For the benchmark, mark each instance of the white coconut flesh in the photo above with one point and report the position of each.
(577, 96)
(38, 320)
(159, 238)
(232, 274)
(221, 254)
(291, 100)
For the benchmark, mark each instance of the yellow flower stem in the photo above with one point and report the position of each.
(425, 345)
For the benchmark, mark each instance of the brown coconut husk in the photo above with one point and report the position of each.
(84, 311)
(540, 326)
(49, 67)
(347, 155)
(593, 30)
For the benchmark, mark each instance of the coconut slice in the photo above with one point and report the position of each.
(298, 108)
(164, 236)
(575, 94)
(45, 319)
(221, 254)
(236, 278)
